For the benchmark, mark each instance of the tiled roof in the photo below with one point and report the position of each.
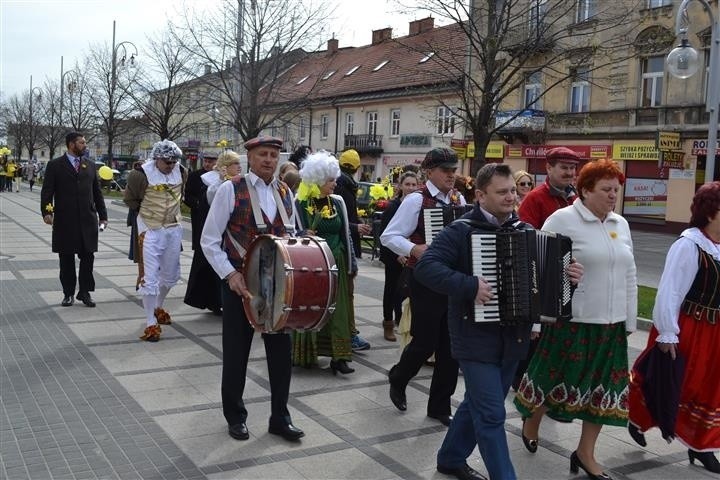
(403, 69)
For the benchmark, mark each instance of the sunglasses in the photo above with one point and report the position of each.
(525, 184)
(170, 162)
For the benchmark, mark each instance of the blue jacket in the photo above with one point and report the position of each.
(446, 267)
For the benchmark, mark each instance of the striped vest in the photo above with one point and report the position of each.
(242, 224)
(418, 236)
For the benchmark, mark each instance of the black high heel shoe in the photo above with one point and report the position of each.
(708, 460)
(637, 435)
(340, 366)
(576, 465)
(531, 445)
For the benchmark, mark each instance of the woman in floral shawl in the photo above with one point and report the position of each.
(325, 215)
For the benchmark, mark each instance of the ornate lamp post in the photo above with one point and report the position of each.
(124, 60)
(33, 93)
(71, 86)
(682, 62)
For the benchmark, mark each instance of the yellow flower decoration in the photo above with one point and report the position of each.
(379, 192)
(84, 165)
(49, 208)
(164, 187)
(306, 191)
(613, 235)
(361, 212)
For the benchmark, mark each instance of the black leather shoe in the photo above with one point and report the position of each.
(86, 299)
(637, 435)
(397, 394)
(239, 431)
(466, 472)
(444, 419)
(530, 444)
(68, 300)
(288, 431)
(708, 460)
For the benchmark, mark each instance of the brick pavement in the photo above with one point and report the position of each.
(83, 398)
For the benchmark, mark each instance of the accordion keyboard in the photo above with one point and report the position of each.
(484, 255)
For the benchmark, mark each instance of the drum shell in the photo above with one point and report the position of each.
(305, 283)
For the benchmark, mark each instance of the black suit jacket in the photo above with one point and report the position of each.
(196, 199)
(77, 203)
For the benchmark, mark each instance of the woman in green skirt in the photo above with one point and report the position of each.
(580, 368)
(325, 215)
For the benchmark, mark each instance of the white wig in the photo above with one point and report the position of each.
(319, 167)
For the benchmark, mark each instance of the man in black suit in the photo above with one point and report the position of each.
(71, 201)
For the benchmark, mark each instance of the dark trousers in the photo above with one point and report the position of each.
(84, 278)
(392, 299)
(430, 334)
(237, 338)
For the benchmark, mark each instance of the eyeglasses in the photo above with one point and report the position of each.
(525, 184)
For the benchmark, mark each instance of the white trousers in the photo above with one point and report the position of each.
(161, 259)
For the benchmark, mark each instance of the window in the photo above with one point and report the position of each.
(349, 123)
(538, 10)
(394, 123)
(586, 9)
(324, 123)
(328, 74)
(580, 90)
(302, 127)
(352, 70)
(658, 3)
(707, 76)
(380, 65)
(533, 89)
(652, 81)
(372, 118)
(273, 130)
(302, 79)
(427, 57)
(445, 121)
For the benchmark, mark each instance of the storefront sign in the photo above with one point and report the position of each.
(645, 197)
(539, 151)
(672, 160)
(494, 150)
(699, 147)
(668, 141)
(686, 174)
(414, 140)
(635, 151)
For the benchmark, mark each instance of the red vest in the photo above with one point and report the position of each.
(242, 224)
(428, 201)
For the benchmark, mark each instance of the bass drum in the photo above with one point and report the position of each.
(293, 281)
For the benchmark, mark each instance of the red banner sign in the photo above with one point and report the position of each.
(585, 152)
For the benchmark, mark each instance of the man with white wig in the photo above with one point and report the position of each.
(155, 192)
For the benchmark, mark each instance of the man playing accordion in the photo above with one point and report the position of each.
(488, 352)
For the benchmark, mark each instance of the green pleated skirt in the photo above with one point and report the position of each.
(579, 370)
(333, 340)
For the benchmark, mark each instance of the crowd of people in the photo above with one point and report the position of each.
(565, 370)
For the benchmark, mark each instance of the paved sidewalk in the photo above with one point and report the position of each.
(82, 397)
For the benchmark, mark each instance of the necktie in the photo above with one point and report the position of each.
(76, 164)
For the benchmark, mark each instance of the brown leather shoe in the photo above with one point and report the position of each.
(151, 333)
(389, 331)
(163, 317)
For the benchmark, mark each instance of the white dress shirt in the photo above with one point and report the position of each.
(221, 208)
(405, 221)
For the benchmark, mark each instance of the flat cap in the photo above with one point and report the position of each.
(264, 141)
(440, 157)
(561, 154)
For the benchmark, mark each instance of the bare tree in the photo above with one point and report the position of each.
(244, 47)
(14, 113)
(78, 109)
(163, 95)
(110, 80)
(509, 40)
(50, 130)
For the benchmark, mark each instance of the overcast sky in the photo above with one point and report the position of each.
(35, 33)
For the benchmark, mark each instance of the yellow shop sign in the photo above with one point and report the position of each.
(494, 150)
(635, 151)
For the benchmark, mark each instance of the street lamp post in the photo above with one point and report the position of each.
(32, 127)
(682, 62)
(62, 88)
(113, 82)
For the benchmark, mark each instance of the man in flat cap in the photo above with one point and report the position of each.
(155, 192)
(557, 191)
(405, 235)
(229, 230)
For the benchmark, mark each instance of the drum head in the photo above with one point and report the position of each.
(264, 272)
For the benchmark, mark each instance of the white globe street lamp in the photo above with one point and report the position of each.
(682, 62)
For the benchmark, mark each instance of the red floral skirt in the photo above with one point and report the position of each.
(698, 420)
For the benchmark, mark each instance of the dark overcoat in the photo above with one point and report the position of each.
(195, 198)
(77, 203)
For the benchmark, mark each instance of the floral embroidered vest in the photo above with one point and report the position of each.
(242, 224)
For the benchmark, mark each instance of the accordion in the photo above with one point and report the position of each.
(518, 265)
(438, 218)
